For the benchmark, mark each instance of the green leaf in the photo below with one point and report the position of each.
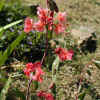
(4, 91)
(10, 48)
(55, 66)
(10, 25)
(97, 63)
(1, 33)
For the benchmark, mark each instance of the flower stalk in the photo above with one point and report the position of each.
(43, 58)
(28, 89)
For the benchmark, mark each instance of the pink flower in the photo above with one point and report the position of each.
(41, 94)
(70, 54)
(39, 26)
(61, 17)
(29, 68)
(45, 17)
(64, 54)
(49, 20)
(34, 68)
(59, 28)
(28, 25)
(50, 23)
(47, 96)
(42, 14)
(38, 73)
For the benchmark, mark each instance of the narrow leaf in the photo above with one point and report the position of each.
(11, 47)
(4, 91)
(10, 25)
(55, 66)
(97, 63)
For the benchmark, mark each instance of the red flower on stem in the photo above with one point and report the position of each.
(29, 68)
(64, 54)
(47, 96)
(28, 25)
(61, 17)
(34, 68)
(42, 14)
(39, 26)
(59, 28)
(46, 19)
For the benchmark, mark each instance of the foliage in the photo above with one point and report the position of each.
(4, 56)
(4, 91)
(11, 12)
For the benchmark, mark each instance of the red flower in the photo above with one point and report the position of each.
(70, 54)
(64, 54)
(34, 67)
(61, 17)
(28, 25)
(47, 96)
(41, 94)
(45, 17)
(50, 23)
(59, 28)
(50, 20)
(42, 14)
(29, 68)
(39, 26)
(52, 13)
(38, 73)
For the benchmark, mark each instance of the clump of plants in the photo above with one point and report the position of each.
(50, 25)
(10, 12)
(44, 44)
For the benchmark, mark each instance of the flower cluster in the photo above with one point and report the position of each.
(47, 96)
(64, 54)
(34, 68)
(46, 20)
